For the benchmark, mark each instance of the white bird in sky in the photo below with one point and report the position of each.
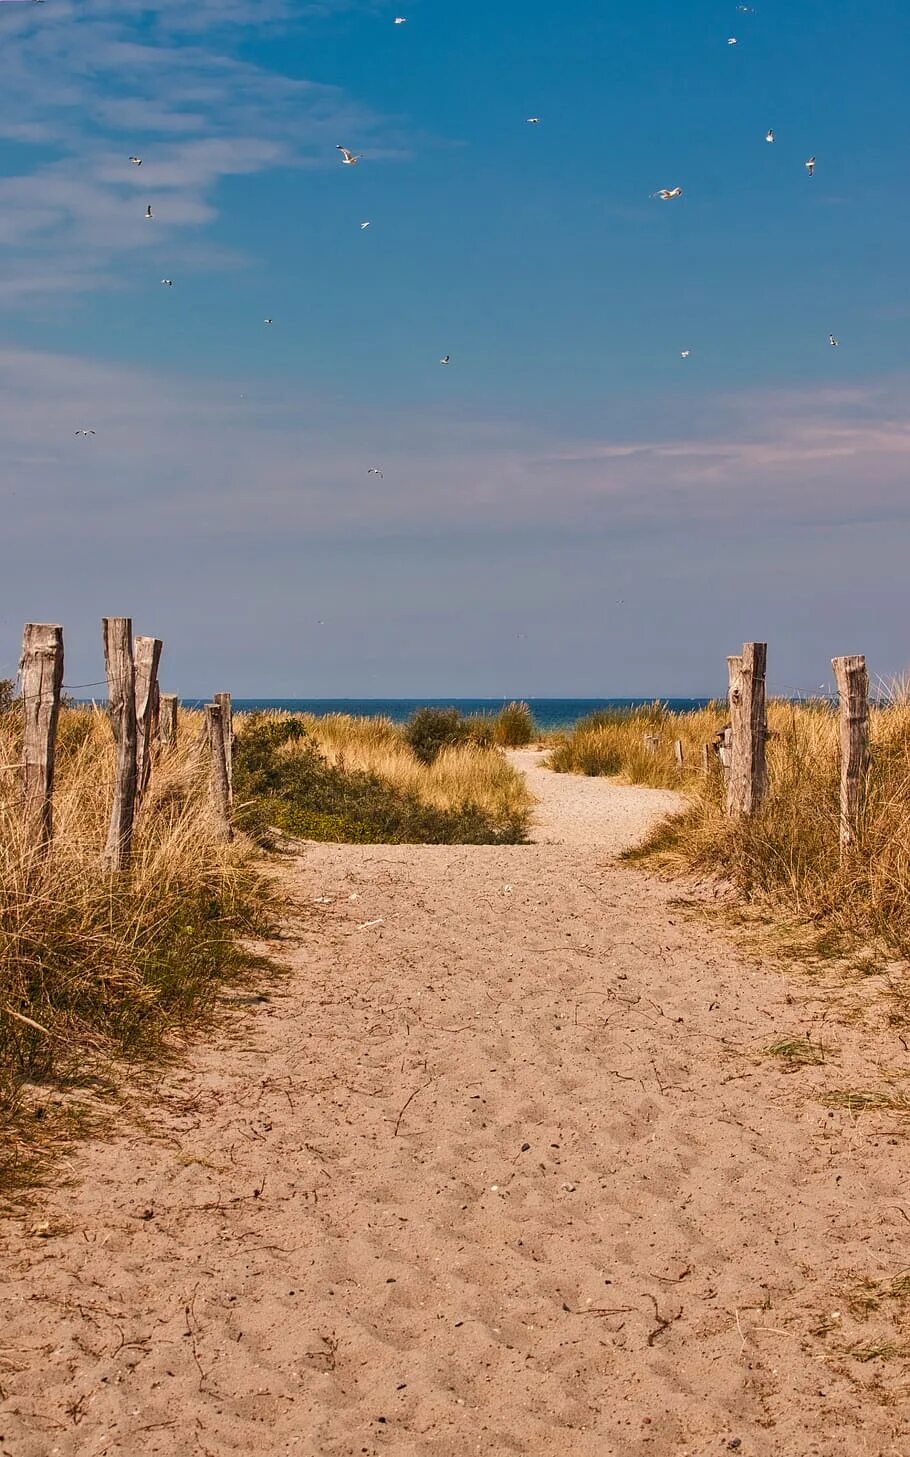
(533, 120)
(375, 471)
(268, 321)
(732, 41)
(136, 161)
(364, 225)
(810, 166)
(401, 20)
(769, 135)
(746, 9)
(445, 359)
(168, 282)
(666, 194)
(348, 158)
(684, 353)
(148, 211)
(85, 432)
(833, 341)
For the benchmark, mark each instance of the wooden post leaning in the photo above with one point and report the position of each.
(121, 689)
(167, 721)
(223, 701)
(853, 691)
(678, 754)
(219, 805)
(146, 657)
(41, 676)
(748, 778)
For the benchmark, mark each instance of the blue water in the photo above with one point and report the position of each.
(549, 713)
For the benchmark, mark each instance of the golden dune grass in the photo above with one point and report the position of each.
(467, 774)
(105, 964)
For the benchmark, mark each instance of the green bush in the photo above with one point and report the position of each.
(300, 793)
(430, 730)
(514, 726)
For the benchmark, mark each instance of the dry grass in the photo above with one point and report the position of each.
(789, 853)
(459, 776)
(93, 967)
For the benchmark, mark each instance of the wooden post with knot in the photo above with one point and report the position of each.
(223, 700)
(853, 690)
(121, 692)
(748, 779)
(41, 676)
(146, 657)
(219, 801)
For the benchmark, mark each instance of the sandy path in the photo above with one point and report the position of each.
(499, 1174)
(572, 810)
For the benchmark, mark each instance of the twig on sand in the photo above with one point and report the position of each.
(409, 1101)
(663, 1322)
(28, 1021)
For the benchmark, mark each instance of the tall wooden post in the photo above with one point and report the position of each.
(706, 751)
(748, 773)
(146, 657)
(853, 690)
(223, 701)
(167, 723)
(121, 692)
(678, 754)
(218, 780)
(41, 676)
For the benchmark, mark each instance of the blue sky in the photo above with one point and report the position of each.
(569, 507)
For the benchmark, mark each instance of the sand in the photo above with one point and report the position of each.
(501, 1168)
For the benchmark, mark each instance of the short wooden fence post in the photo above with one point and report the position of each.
(41, 674)
(678, 753)
(651, 742)
(706, 751)
(853, 690)
(749, 731)
(167, 722)
(223, 701)
(146, 657)
(218, 781)
(118, 660)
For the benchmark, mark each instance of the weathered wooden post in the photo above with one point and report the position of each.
(146, 657)
(748, 772)
(853, 691)
(223, 701)
(167, 723)
(218, 781)
(706, 752)
(121, 691)
(725, 753)
(651, 742)
(678, 754)
(41, 676)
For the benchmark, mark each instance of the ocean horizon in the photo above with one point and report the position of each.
(549, 713)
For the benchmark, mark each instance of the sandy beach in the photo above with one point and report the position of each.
(501, 1167)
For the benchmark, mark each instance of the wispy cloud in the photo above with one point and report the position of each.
(89, 82)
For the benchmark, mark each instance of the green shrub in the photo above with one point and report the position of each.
(430, 730)
(281, 781)
(514, 726)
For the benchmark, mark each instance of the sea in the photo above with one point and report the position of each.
(549, 713)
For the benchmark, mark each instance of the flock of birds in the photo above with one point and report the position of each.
(352, 159)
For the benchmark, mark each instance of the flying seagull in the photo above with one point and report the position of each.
(533, 120)
(445, 359)
(810, 166)
(746, 9)
(348, 158)
(666, 194)
(769, 135)
(148, 211)
(684, 353)
(833, 341)
(168, 282)
(364, 225)
(375, 471)
(401, 20)
(268, 321)
(732, 41)
(85, 432)
(136, 161)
